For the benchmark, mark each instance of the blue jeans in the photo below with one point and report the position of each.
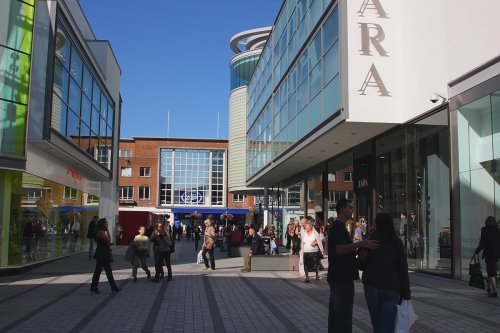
(382, 307)
(340, 307)
(91, 247)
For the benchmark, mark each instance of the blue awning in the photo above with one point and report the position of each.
(211, 210)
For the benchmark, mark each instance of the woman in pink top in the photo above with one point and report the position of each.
(313, 248)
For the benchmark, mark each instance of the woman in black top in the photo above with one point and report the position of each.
(103, 257)
(385, 277)
(163, 242)
(490, 245)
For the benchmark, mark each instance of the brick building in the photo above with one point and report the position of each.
(175, 176)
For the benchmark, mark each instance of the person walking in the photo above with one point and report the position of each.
(103, 257)
(312, 249)
(490, 245)
(385, 278)
(209, 245)
(141, 242)
(342, 270)
(91, 233)
(163, 243)
(197, 233)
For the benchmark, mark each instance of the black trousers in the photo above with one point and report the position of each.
(211, 255)
(160, 259)
(97, 274)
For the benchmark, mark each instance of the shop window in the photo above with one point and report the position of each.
(144, 193)
(126, 172)
(69, 193)
(238, 197)
(144, 172)
(126, 193)
(125, 153)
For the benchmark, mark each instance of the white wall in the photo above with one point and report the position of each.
(429, 43)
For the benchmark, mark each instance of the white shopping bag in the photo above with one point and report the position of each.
(199, 260)
(406, 317)
(301, 263)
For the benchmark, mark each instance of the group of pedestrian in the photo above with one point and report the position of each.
(385, 276)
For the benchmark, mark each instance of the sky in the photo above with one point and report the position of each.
(174, 56)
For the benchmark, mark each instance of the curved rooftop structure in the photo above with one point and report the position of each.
(250, 39)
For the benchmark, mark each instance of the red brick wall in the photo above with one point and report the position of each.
(146, 153)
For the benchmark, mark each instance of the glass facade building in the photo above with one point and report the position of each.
(192, 177)
(241, 69)
(82, 110)
(57, 127)
(16, 36)
(296, 84)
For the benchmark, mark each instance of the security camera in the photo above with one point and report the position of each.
(435, 97)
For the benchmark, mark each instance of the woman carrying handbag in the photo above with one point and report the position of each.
(209, 245)
(490, 245)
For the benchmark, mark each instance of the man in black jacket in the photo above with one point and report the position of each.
(91, 234)
(257, 248)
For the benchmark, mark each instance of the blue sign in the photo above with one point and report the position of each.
(192, 197)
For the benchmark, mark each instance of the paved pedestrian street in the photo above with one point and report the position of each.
(55, 297)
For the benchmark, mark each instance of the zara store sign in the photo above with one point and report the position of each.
(373, 59)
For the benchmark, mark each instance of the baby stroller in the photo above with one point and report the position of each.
(267, 244)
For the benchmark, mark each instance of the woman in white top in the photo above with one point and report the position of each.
(313, 248)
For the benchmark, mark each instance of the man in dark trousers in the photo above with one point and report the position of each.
(91, 234)
(257, 248)
(342, 270)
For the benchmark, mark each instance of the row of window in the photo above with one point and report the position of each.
(127, 193)
(143, 172)
(82, 110)
(33, 194)
(332, 176)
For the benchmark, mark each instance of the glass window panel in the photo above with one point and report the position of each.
(59, 115)
(87, 82)
(104, 106)
(292, 81)
(61, 79)
(331, 63)
(76, 66)
(301, 9)
(495, 109)
(303, 95)
(302, 123)
(16, 25)
(102, 128)
(474, 125)
(315, 111)
(94, 124)
(315, 11)
(12, 128)
(86, 110)
(303, 68)
(110, 115)
(63, 46)
(96, 94)
(314, 50)
(331, 97)
(330, 30)
(73, 130)
(315, 81)
(74, 96)
(15, 73)
(292, 131)
(292, 107)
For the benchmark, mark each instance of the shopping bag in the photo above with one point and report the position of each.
(129, 254)
(406, 317)
(476, 279)
(199, 260)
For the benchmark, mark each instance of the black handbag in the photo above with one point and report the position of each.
(476, 276)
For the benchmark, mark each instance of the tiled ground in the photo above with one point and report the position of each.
(55, 298)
